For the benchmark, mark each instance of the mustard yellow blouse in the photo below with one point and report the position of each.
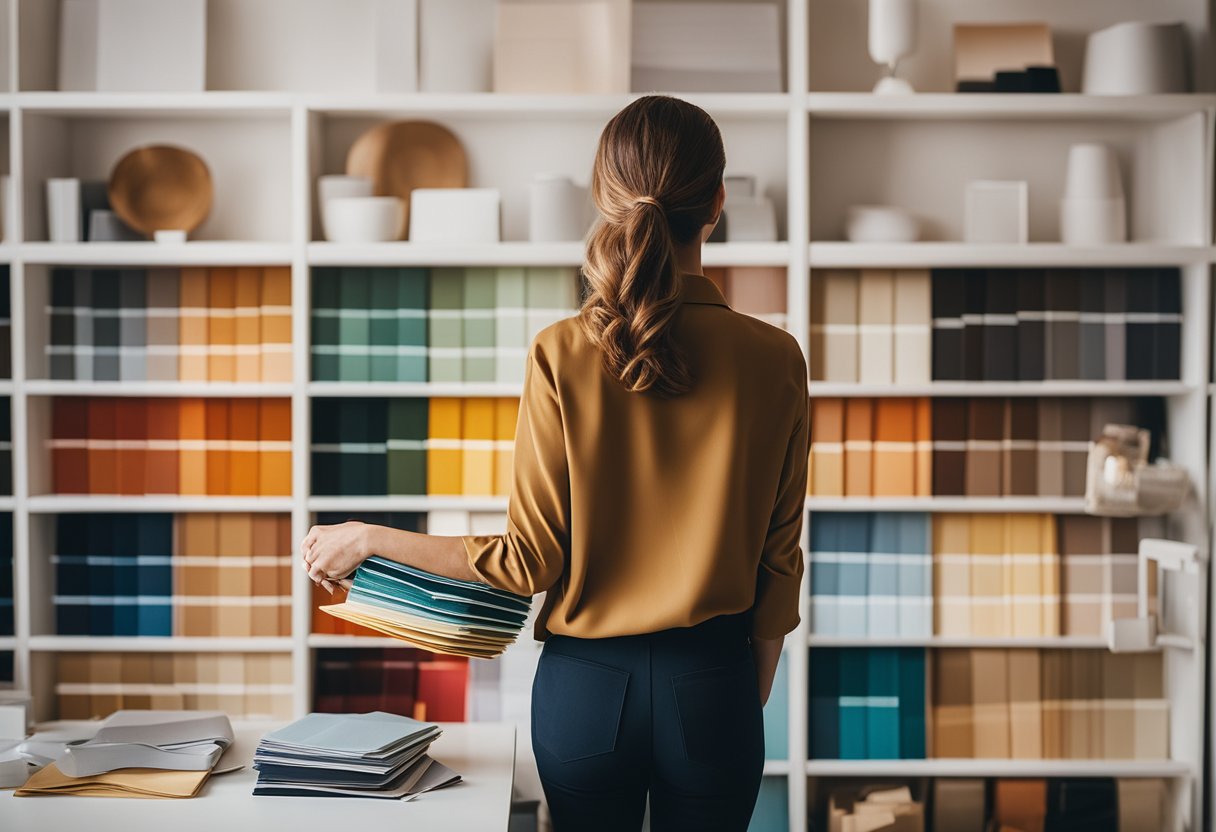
(639, 513)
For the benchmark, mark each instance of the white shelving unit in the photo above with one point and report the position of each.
(282, 110)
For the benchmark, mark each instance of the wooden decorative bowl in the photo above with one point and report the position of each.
(403, 155)
(159, 188)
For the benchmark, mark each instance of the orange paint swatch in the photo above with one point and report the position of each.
(218, 454)
(244, 450)
(276, 324)
(248, 325)
(103, 457)
(221, 325)
(69, 454)
(274, 455)
(192, 325)
(160, 460)
(132, 434)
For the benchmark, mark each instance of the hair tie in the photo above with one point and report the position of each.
(647, 200)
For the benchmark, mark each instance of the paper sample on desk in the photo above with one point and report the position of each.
(177, 740)
(127, 782)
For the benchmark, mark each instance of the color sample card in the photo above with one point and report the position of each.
(442, 325)
(871, 574)
(133, 445)
(442, 445)
(248, 686)
(862, 447)
(1057, 324)
(163, 324)
(413, 683)
(867, 704)
(1049, 704)
(874, 326)
(7, 623)
(160, 575)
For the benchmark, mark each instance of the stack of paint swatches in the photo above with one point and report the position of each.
(160, 575)
(192, 324)
(994, 447)
(6, 575)
(6, 446)
(759, 291)
(244, 685)
(443, 615)
(996, 575)
(871, 574)
(1057, 324)
(6, 326)
(438, 325)
(864, 447)
(370, 446)
(328, 625)
(870, 327)
(394, 679)
(867, 704)
(977, 447)
(239, 447)
(350, 755)
(1049, 704)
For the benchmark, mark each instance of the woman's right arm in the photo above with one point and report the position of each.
(767, 652)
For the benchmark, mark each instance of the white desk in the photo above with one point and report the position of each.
(482, 753)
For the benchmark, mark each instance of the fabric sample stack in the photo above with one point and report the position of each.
(443, 615)
(350, 755)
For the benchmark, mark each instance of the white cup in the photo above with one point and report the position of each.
(336, 187)
(364, 219)
(557, 210)
(1093, 173)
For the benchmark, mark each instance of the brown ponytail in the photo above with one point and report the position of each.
(657, 171)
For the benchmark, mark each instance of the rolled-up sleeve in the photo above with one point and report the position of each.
(775, 611)
(530, 557)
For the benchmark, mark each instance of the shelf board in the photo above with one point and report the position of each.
(6, 387)
(836, 254)
(7, 503)
(7, 253)
(195, 253)
(318, 640)
(408, 502)
(739, 105)
(329, 389)
(61, 503)
(231, 104)
(1046, 642)
(997, 768)
(158, 644)
(8, 643)
(48, 387)
(1006, 106)
(517, 253)
(1043, 505)
(823, 389)
(776, 768)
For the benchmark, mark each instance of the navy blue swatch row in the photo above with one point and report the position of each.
(114, 574)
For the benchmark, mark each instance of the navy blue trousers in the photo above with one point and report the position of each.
(675, 714)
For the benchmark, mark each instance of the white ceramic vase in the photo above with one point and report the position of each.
(1136, 58)
(1093, 210)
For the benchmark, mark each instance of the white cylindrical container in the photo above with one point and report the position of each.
(63, 210)
(1093, 210)
(365, 219)
(1093, 172)
(336, 187)
(1092, 222)
(556, 210)
(1135, 58)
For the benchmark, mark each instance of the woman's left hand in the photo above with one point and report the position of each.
(333, 552)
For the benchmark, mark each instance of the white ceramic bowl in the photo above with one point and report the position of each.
(337, 187)
(364, 219)
(880, 224)
(1092, 222)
